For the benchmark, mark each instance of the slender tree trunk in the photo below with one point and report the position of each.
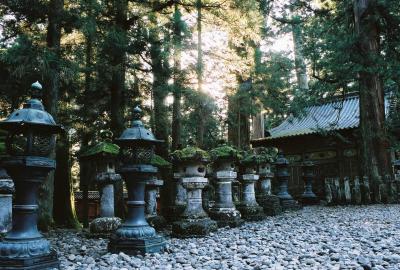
(46, 190)
(201, 123)
(178, 84)
(258, 119)
(87, 135)
(64, 199)
(117, 85)
(374, 153)
(160, 69)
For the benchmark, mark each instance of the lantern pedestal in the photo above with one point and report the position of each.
(135, 235)
(195, 221)
(107, 222)
(6, 191)
(174, 211)
(24, 247)
(248, 207)
(270, 203)
(282, 167)
(156, 221)
(224, 211)
(308, 197)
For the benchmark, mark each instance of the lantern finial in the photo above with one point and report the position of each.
(137, 113)
(36, 88)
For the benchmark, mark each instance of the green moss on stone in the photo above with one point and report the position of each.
(225, 152)
(101, 147)
(159, 162)
(263, 155)
(190, 153)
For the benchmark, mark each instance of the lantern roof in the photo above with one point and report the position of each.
(137, 133)
(224, 151)
(32, 115)
(160, 162)
(100, 148)
(190, 153)
(281, 160)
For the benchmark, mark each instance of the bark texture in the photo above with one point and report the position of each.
(373, 144)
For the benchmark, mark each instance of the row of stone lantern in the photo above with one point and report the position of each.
(31, 140)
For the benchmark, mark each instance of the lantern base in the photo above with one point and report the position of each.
(252, 212)
(152, 244)
(43, 262)
(188, 228)
(226, 217)
(290, 205)
(271, 205)
(174, 212)
(309, 198)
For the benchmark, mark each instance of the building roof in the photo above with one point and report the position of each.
(340, 114)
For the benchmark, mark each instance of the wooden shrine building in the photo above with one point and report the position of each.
(326, 134)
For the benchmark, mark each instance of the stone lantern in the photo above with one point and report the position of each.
(224, 211)
(30, 141)
(308, 197)
(194, 220)
(103, 155)
(135, 235)
(282, 169)
(151, 193)
(269, 202)
(248, 207)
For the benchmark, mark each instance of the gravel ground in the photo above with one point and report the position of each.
(366, 237)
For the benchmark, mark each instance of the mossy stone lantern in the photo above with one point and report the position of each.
(223, 211)
(195, 221)
(135, 235)
(102, 156)
(30, 141)
(269, 202)
(248, 206)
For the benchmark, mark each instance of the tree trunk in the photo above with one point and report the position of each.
(374, 144)
(300, 64)
(46, 190)
(257, 126)
(160, 68)
(238, 123)
(64, 199)
(178, 81)
(118, 67)
(117, 86)
(199, 70)
(258, 119)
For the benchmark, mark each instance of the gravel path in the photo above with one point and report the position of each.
(356, 237)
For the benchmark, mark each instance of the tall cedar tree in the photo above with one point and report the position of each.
(374, 144)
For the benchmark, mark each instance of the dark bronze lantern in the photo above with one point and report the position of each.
(135, 235)
(30, 141)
